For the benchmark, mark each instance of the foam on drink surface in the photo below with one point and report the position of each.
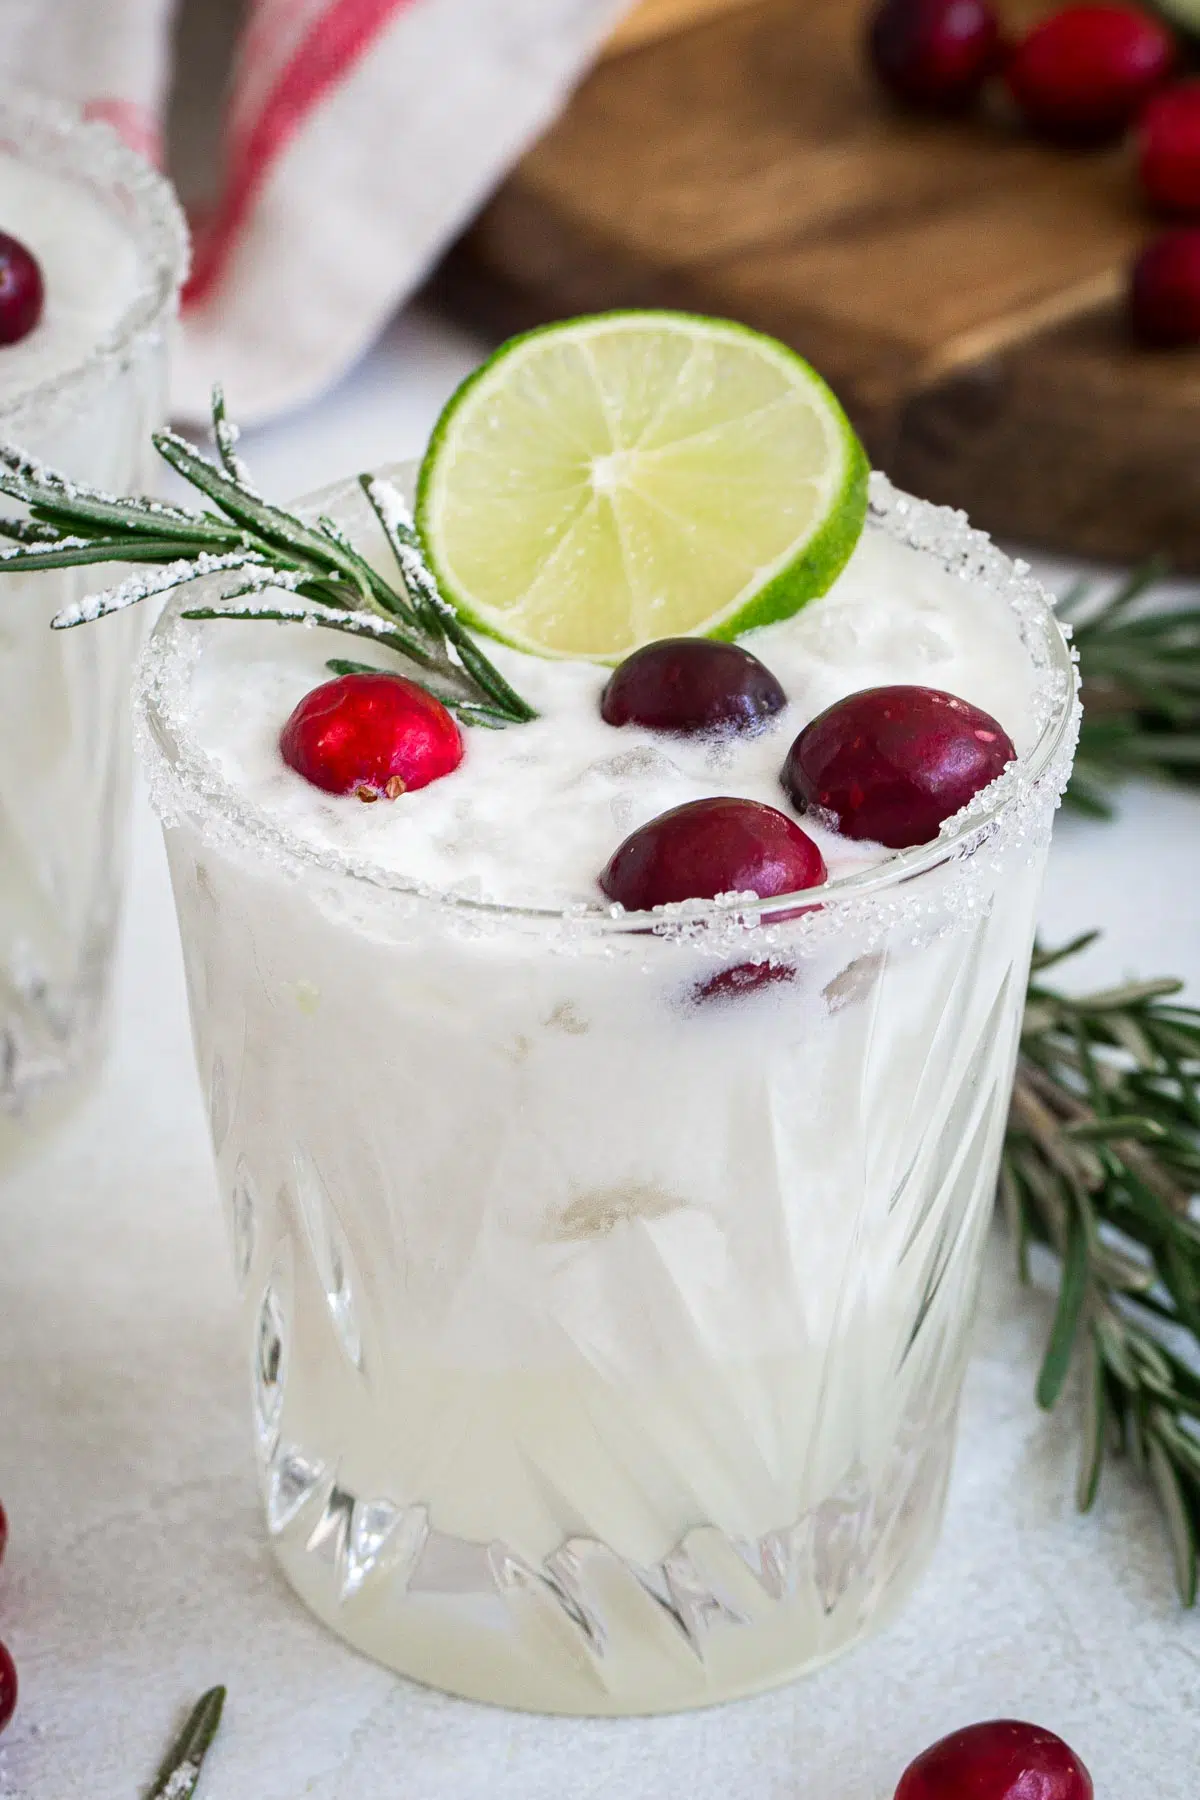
(536, 810)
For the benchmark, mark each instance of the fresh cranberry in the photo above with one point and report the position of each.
(1164, 295)
(371, 735)
(1169, 150)
(711, 847)
(1002, 1760)
(21, 291)
(8, 1687)
(891, 763)
(934, 53)
(1082, 75)
(691, 685)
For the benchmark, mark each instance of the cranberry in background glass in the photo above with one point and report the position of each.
(8, 1687)
(1164, 295)
(1001, 1760)
(21, 291)
(691, 685)
(377, 736)
(934, 53)
(1083, 75)
(1169, 150)
(3, 1533)
(710, 847)
(890, 763)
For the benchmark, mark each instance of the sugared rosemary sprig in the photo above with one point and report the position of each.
(1141, 689)
(180, 1771)
(268, 550)
(1102, 1165)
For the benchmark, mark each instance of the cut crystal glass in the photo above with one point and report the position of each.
(575, 1390)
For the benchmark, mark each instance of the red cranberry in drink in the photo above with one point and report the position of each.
(692, 685)
(21, 292)
(935, 54)
(1001, 1760)
(1164, 294)
(377, 736)
(891, 763)
(711, 847)
(1082, 75)
(740, 979)
(8, 1687)
(1169, 150)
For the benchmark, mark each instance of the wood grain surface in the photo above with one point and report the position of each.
(656, 18)
(959, 284)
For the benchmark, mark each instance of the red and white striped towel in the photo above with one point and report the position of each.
(359, 136)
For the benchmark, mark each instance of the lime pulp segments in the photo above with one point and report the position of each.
(612, 480)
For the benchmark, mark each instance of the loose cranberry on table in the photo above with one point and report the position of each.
(1169, 150)
(934, 53)
(8, 1672)
(8, 1686)
(891, 763)
(1001, 1760)
(1164, 294)
(1083, 75)
(711, 847)
(21, 293)
(692, 685)
(377, 736)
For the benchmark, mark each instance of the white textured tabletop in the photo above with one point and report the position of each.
(137, 1571)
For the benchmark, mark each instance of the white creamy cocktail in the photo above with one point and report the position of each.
(607, 1272)
(607, 1034)
(81, 386)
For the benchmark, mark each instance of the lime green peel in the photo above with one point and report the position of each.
(612, 480)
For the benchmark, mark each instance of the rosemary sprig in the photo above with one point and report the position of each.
(1101, 1165)
(268, 550)
(180, 1771)
(1141, 689)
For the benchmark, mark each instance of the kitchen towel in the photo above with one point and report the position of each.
(358, 137)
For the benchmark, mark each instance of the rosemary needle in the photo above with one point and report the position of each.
(180, 1771)
(1140, 668)
(282, 567)
(1101, 1165)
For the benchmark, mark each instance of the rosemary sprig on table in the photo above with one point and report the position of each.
(1101, 1165)
(272, 554)
(180, 1771)
(1141, 689)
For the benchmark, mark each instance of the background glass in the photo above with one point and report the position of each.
(64, 731)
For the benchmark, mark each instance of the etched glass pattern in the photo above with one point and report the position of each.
(573, 1391)
(64, 733)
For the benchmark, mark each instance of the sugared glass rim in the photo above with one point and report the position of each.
(186, 783)
(54, 136)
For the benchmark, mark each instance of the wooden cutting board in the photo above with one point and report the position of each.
(959, 284)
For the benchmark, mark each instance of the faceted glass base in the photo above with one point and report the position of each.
(586, 1631)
